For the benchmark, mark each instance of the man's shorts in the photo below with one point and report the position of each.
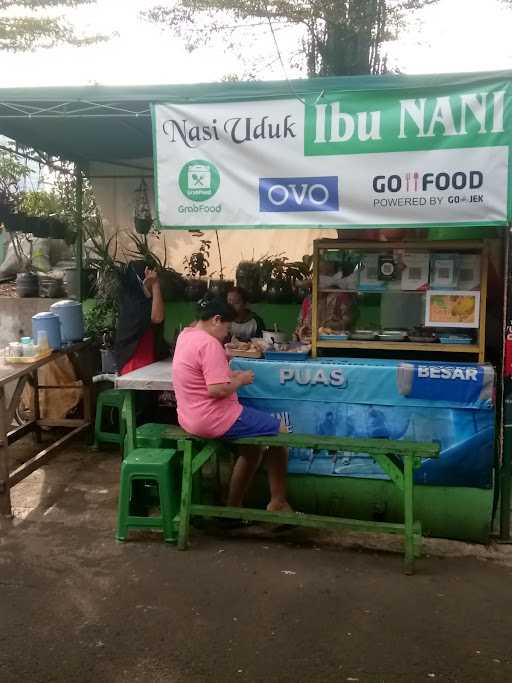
(253, 422)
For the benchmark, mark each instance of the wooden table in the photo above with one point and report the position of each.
(154, 377)
(20, 375)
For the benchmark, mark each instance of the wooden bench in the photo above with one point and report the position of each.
(398, 459)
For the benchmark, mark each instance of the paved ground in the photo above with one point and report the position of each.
(77, 606)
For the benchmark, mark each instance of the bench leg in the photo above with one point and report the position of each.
(186, 496)
(409, 514)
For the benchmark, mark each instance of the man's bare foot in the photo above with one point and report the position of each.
(279, 506)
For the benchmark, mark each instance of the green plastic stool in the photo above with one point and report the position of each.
(110, 398)
(155, 465)
(152, 435)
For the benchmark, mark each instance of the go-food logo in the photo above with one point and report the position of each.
(199, 180)
(299, 194)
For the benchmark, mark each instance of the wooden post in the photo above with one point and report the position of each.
(5, 494)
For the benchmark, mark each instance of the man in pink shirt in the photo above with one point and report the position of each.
(208, 405)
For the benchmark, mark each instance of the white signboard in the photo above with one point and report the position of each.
(341, 159)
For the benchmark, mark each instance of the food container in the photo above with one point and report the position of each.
(455, 339)
(71, 320)
(294, 351)
(27, 346)
(271, 336)
(392, 335)
(363, 335)
(342, 336)
(243, 353)
(48, 323)
(422, 337)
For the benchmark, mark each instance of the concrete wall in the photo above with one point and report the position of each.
(16, 316)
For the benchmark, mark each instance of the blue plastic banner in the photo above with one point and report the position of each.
(451, 404)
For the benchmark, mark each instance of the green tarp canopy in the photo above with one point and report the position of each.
(97, 123)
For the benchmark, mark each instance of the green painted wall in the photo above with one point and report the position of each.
(445, 512)
(285, 315)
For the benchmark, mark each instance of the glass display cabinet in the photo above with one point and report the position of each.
(415, 296)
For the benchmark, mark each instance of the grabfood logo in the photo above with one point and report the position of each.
(287, 195)
(199, 180)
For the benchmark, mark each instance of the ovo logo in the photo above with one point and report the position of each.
(299, 194)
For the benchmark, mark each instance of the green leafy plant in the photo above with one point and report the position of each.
(198, 263)
(278, 267)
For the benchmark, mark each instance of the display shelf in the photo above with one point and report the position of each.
(420, 314)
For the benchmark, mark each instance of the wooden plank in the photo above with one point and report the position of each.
(5, 495)
(15, 399)
(41, 458)
(300, 519)
(399, 346)
(21, 431)
(327, 443)
(63, 422)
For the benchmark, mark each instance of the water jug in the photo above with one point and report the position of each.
(47, 322)
(71, 319)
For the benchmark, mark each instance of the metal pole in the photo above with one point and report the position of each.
(79, 227)
(506, 466)
(506, 453)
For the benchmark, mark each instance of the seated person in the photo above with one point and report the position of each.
(141, 314)
(335, 310)
(246, 324)
(208, 406)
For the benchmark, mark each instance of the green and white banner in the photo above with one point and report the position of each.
(384, 157)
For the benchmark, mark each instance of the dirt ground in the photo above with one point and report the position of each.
(252, 606)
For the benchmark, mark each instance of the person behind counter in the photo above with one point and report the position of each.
(141, 313)
(208, 405)
(246, 324)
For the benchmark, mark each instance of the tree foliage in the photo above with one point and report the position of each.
(340, 36)
(23, 26)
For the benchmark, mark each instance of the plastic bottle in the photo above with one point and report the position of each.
(27, 346)
(42, 340)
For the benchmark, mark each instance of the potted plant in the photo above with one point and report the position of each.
(278, 276)
(101, 316)
(219, 287)
(142, 217)
(196, 268)
(27, 282)
(172, 284)
(248, 276)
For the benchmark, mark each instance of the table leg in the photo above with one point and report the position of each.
(409, 514)
(130, 441)
(35, 407)
(5, 494)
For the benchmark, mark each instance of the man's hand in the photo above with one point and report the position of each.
(150, 279)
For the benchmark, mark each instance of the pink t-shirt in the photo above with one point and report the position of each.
(200, 360)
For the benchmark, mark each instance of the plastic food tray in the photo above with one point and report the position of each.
(392, 336)
(27, 359)
(333, 337)
(422, 340)
(363, 336)
(287, 355)
(453, 339)
(241, 353)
